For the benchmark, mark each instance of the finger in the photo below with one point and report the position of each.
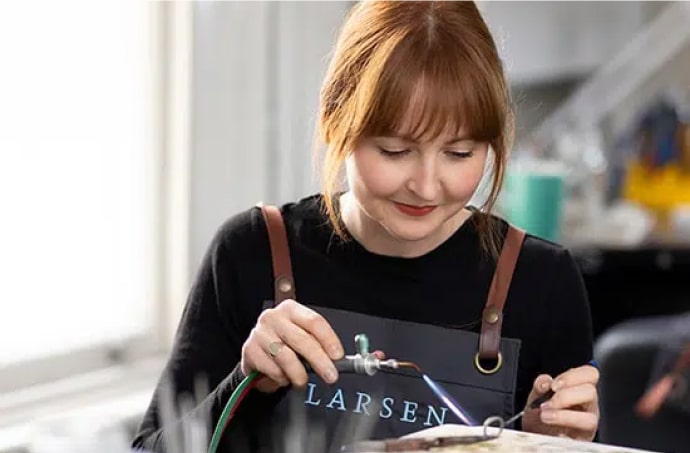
(306, 346)
(267, 385)
(280, 323)
(586, 374)
(542, 384)
(316, 325)
(583, 394)
(255, 358)
(578, 420)
(285, 358)
(293, 369)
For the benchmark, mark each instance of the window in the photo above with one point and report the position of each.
(80, 189)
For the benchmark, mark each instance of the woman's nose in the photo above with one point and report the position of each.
(425, 182)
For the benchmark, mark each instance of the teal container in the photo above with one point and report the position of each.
(533, 199)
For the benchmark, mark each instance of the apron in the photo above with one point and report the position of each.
(478, 370)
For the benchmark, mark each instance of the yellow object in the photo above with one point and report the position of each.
(659, 189)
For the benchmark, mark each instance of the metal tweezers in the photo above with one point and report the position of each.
(413, 444)
(427, 443)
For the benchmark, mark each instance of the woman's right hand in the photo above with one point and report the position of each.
(281, 336)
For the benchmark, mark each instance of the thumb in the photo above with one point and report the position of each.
(267, 385)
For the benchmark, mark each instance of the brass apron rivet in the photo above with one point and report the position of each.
(491, 316)
(284, 285)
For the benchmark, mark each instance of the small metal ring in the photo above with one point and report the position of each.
(490, 421)
(478, 365)
(274, 348)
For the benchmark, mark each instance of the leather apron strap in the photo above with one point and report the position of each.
(283, 281)
(492, 317)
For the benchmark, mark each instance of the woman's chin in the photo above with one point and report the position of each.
(410, 231)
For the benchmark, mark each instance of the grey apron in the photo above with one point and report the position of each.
(478, 370)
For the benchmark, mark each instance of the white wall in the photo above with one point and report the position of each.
(256, 77)
(546, 41)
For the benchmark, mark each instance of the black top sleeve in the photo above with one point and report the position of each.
(206, 350)
(567, 339)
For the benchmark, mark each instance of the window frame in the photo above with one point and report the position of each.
(170, 40)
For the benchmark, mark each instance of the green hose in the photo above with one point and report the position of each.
(228, 410)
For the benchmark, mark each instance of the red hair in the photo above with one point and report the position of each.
(385, 53)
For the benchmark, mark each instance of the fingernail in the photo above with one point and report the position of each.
(548, 416)
(557, 385)
(331, 376)
(545, 386)
(546, 406)
(335, 352)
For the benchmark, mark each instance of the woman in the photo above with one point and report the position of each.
(413, 105)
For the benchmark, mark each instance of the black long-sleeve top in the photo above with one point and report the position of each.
(547, 307)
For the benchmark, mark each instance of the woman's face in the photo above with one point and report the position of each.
(411, 189)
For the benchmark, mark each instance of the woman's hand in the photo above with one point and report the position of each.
(284, 334)
(574, 409)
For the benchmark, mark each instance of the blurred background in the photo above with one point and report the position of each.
(130, 130)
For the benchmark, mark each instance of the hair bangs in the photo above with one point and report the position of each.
(423, 93)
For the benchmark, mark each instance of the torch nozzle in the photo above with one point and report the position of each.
(410, 365)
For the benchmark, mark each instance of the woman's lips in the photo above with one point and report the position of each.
(415, 211)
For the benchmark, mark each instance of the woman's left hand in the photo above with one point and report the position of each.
(574, 409)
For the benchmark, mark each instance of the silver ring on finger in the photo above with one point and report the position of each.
(274, 348)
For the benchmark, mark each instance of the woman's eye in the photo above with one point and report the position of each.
(460, 154)
(393, 152)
